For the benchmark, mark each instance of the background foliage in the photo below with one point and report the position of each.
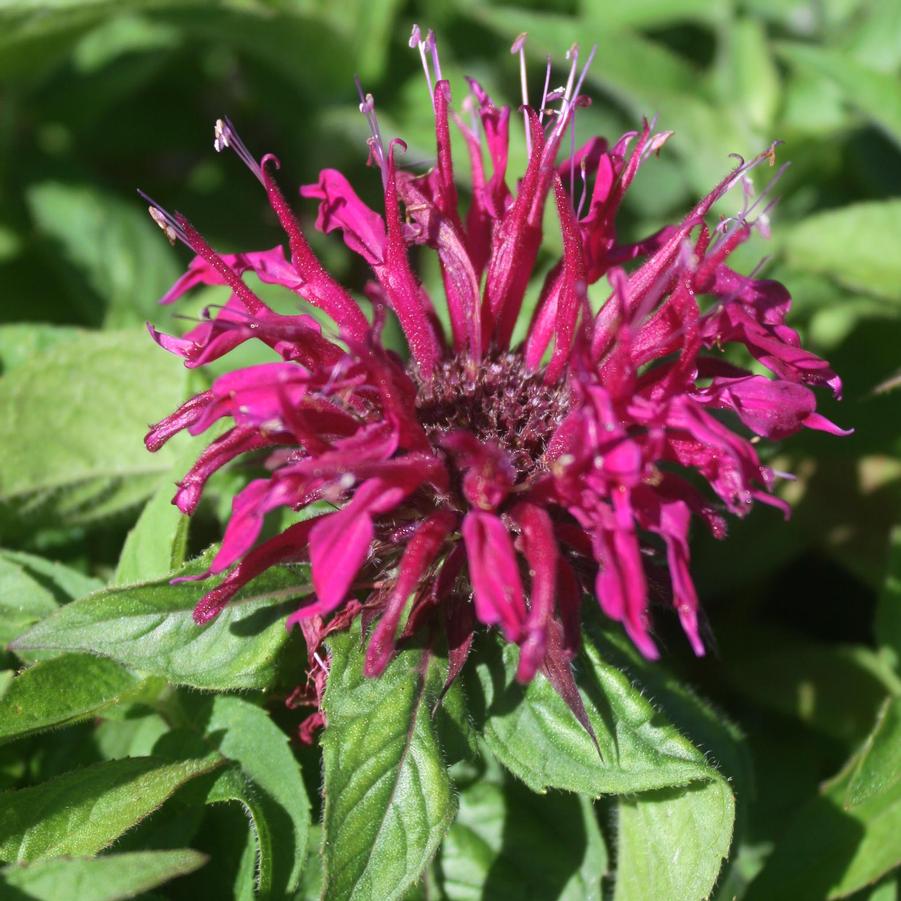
(178, 760)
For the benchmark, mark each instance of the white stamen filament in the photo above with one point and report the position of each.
(584, 196)
(433, 46)
(519, 47)
(376, 145)
(427, 48)
(547, 82)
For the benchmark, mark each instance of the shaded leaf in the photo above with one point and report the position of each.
(388, 799)
(114, 244)
(835, 689)
(508, 842)
(32, 587)
(106, 878)
(149, 627)
(273, 790)
(878, 769)
(84, 811)
(23, 601)
(888, 609)
(829, 850)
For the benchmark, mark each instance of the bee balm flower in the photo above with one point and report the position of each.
(478, 481)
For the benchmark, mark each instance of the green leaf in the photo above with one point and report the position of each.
(753, 77)
(62, 581)
(704, 813)
(149, 627)
(368, 25)
(831, 850)
(835, 689)
(888, 609)
(875, 39)
(388, 798)
(157, 543)
(275, 795)
(599, 18)
(32, 588)
(675, 794)
(131, 730)
(60, 691)
(23, 601)
(99, 391)
(106, 878)
(854, 245)
(36, 36)
(671, 843)
(114, 244)
(311, 881)
(535, 735)
(233, 786)
(86, 810)
(508, 842)
(20, 341)
(876, 94)
(878, 770)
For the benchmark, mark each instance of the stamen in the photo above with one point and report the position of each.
(417, 42)
(376, 145)
(158, 218)
(226, 136)
(544, 97)
(584, 196)
(166, 221)
(432, 43)
(468, 107)
(585, 68)
(572, 162)
(519, 47)
(656, 143)
(572, 89)
(686, 260)
(730, 224)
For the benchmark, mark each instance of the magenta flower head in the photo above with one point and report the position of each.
(482, 481)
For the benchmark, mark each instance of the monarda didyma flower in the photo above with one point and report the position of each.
(481, 482)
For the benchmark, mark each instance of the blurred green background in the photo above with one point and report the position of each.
(102, 96)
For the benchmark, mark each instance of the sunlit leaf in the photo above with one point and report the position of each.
(854, 245)
(62, 690)
(269, 784)
(150, 627)
(98, 391)
(876, 94)
(84, 811)
(388, 799)
(106, 878)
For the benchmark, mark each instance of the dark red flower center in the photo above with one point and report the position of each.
(497, 400)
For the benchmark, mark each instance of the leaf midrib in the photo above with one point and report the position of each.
(408, 742)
